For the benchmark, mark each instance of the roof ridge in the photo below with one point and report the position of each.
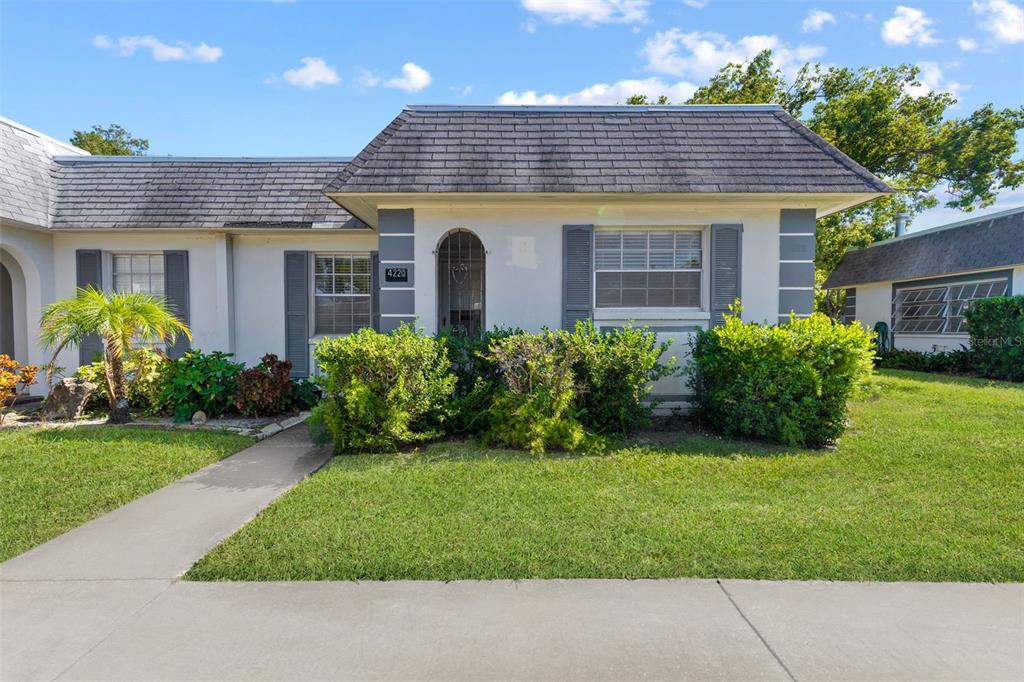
(43, 136)
(359, 159)
(967, 222)
(68, 159)
(602, 108)
(833, 151)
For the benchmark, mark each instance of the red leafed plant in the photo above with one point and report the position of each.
(264, 390)
(15, 379)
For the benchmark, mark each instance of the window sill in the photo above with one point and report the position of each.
(651, 314)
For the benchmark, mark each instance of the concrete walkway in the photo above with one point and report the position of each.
(58, 600)
(104, 602)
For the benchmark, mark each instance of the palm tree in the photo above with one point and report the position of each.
(120, 318)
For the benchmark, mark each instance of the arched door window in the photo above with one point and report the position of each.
(460, 283)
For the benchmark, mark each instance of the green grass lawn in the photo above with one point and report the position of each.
(52, 480)
(928, 484)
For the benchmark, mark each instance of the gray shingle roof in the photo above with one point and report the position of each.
(985, 242)
(26, 173)
(100, 192)
(745, 148)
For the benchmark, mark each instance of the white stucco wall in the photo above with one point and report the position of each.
(874, 304)
(209, 329)
(259, 283)
(523, 284)
(28, 255)
(523, 280)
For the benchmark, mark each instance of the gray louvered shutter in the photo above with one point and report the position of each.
(89, 272)
(296, 311)
(375, 290)
(577, 274)
(726, 241)
(176, 295)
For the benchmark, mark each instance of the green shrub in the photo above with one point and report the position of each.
(613, 370)
(198, 381)
(304, 395)
(477, 377)
(960, 361)
(143, 370)
(316, 423)
(996, 328)
(264, 390)
(533, 409)
(788, 383)
(383, 391)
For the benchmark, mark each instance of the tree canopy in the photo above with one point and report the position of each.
(888, 122)
(110, 141)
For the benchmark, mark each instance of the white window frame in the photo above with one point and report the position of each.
(945, 302)
(652, 311)
(314, 336)
(109, 280)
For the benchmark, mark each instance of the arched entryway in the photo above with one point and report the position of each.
(460, 282)
(6, 313)
(13, 313)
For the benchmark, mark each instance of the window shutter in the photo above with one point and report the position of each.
(725, 269)
(89, 272)
(176, 295)
(296, 311)
(374, 290)
(577, 274)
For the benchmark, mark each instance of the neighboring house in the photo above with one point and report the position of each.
(920, 283)
(468, 217)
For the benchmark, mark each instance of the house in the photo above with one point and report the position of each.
(453, 217)
(919, 283)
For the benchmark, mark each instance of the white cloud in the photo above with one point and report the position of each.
(605, 93)
(967, 44)
(932, 79)
(413, 79)
(816, 20)
(530, 25)
(908, 25)
(701, 55)
(1003, 20)
(313, 73)
(367, 79)
(589, 12)
(696, 4)
(162, 52)
(464, 91)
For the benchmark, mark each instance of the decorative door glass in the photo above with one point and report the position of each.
(460, 283)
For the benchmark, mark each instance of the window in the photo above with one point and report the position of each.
(940, 309)
(139, 272)
(647, 269)
(341, 284)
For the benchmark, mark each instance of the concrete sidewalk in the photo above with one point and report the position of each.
(554, 630)
(104, 602)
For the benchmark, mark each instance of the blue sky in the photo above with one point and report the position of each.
(309, 78)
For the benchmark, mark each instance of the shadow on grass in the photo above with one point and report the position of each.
(948, 379)
(656, 443)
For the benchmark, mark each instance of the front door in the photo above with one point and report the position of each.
(460, 283)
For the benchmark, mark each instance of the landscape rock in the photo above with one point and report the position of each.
(67, 399)
(199, 418)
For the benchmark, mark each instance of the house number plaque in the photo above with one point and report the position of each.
(396, 274)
